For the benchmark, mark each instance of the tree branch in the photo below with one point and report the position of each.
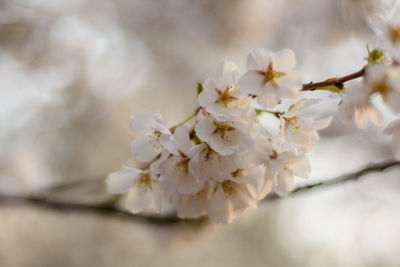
(113, 211)
(337, 82)
(99, 209)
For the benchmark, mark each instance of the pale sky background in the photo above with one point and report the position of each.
(73, 71)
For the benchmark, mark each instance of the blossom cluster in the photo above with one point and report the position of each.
(228, 160)
(381, 78)
(222, 159)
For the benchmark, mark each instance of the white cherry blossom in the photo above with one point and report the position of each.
(225, 137)
(207, 164)
(141, 185)
(280, 171)
(192, 205)
(298, 132)
(156, 136)
(227, 200)
(385, 80)
(356, 106)
(387, 28)
(175, 174)
(269, 76)
(221, 96)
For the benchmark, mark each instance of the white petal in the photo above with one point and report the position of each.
(182, 139)
(207, 98)
(121, 181)
(177, 179)
(284, 60)
(284, 183)
(251, 82)
(265, 189)
(301, 167)
(268, 99)
(222, 146)
(204, 128)
(273, 168)
(147, 121)
(226, 74)
(167, 142)
(218, 208)
(155, 167)
(195, 166)
(289, 85)
(259, 59)
(138, 200)
(144, 148)
(142, 121)
(218, 167)
(322, 123)
(253, 177)
(192, 206)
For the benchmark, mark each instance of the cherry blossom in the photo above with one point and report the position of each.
(269, 76)
(385, 80)
(222, 160)
(299, 132)
(141, 185)
(207, 164)
(156, 136)
(280, 171)
(225, 137)
(221, 96)
(228, 199)
(356, 106)
(176, 175)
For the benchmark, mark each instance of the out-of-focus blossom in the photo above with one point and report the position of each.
(156, 135)
(141, 185)
(356, 106)
(385, 80)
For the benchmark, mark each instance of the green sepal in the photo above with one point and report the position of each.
(199, 88)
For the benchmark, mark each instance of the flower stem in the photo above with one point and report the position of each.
(172, 129)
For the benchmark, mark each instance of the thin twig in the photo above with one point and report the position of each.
(337, 82)
(370, 168)
(172, 129)
(113, 211)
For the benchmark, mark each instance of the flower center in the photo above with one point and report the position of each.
(157, 133)
(145, 181)
(228, 188)
(270, 75)
(223, 128)
(383, 88)
(293, 122)
(225, 97)
(394, 34)
(183, 164)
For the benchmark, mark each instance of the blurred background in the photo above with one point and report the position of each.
(73, 71)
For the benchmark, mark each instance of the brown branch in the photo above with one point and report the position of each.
(113, 211)
(337, 82)
(98, 209)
